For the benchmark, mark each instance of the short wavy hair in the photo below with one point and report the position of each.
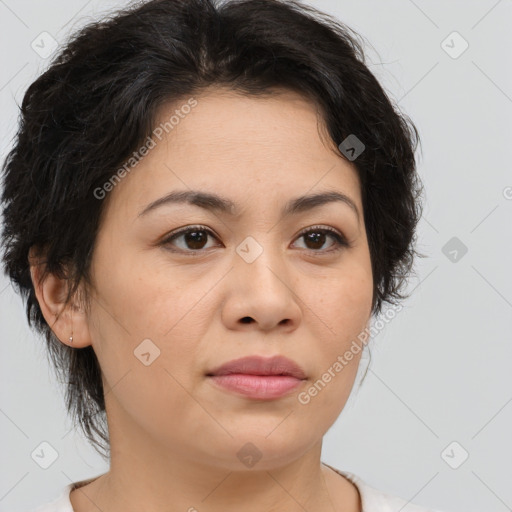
(100, 98)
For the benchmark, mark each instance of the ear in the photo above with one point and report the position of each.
(64, 319)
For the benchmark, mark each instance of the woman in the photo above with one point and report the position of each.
(205, 205)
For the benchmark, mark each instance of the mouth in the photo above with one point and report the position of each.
(258, 377)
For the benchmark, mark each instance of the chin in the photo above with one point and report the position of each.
(259, 449)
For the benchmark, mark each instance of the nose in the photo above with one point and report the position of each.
(260, 293)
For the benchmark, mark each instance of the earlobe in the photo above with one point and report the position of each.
(67, 321)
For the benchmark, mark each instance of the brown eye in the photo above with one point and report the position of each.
(316, 237)
(193, 238)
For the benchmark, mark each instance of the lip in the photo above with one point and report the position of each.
(259, 377)
(258, 365)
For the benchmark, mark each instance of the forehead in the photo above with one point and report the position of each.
(238, 146)
(234, 122)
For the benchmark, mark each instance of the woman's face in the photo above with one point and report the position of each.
(165, 313)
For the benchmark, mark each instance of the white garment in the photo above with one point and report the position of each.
(372, 499)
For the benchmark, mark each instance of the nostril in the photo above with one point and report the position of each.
(246, 320)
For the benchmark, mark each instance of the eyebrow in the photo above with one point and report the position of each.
(214, 202)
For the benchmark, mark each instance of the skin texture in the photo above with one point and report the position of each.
(174, 435)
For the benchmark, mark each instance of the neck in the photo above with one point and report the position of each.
(147, 475)
(192, 487)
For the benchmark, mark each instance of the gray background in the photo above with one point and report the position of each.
(440, 371)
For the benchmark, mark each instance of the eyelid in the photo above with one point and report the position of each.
(341, 241)
(167, 238)
(186, 229)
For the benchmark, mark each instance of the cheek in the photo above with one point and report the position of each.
(338, 355)
(340, 311)
(320, 402)
(144, 297)
(146, 346)
(341, 304)
(143, 308)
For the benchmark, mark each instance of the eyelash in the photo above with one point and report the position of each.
(340, 241)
